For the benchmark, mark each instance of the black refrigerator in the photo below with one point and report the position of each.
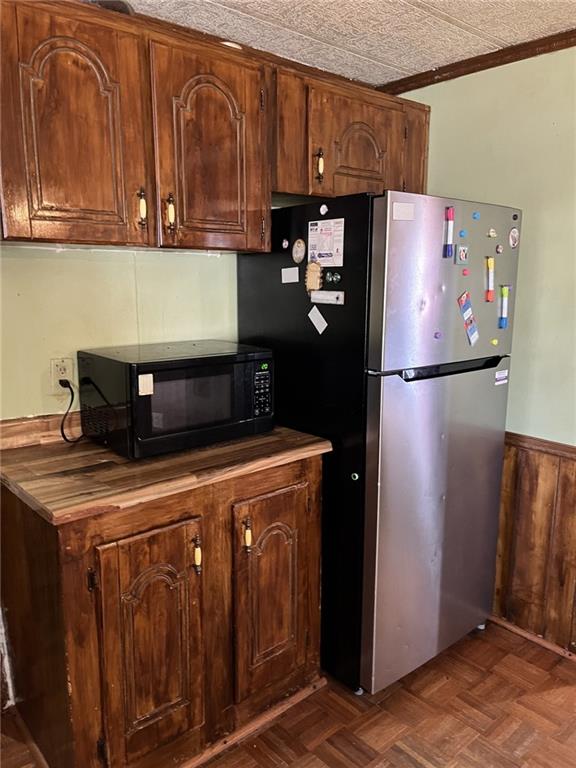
(390, 320)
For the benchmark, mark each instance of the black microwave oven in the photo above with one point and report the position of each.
(147, 399)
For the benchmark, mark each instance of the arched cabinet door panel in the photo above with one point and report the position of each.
(152, 639)
(270, 586)
(211, 151)
(74, 167)
(353, 145)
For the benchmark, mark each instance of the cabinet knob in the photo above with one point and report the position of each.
(197, 555)
(248, 535)
(142, 208)
(319, 165)
(170, 213)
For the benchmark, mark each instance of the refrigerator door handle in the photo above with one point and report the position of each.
(446, 369)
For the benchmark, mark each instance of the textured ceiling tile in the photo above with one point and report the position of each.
(371, 40)
(513, 21)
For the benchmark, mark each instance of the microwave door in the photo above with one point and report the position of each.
(182, 400)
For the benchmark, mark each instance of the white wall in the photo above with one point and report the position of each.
(58, 300)
(508, 136)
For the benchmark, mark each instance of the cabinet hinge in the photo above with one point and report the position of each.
(403, 185)
(262, 103)
(405, 132)
(91, 581)
(262, 229)
(101, 751)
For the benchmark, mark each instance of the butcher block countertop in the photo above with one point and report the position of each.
(64, 482)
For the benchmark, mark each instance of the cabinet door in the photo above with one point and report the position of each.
(152, 643)
(359, 144)
(211, 149)
(73, 159)
(270, 587)
(416, 151)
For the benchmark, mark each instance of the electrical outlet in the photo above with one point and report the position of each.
(60, 368)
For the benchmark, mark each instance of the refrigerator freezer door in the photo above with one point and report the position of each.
(434, 463)
(415, 315)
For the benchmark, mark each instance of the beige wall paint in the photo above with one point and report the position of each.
(58, 300)
(508, 136)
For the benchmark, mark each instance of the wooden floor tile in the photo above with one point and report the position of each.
(494, 700)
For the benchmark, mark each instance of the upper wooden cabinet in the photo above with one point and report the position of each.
(334, 139)
(355, 146)
(92, 101)
(125, 130)
(73, 129)
(210, 142)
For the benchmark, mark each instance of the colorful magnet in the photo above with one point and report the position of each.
(514, 237)
(491, 232)
(494, 342)
(285, 243)
(465, 272)
(449, 240)
(476, 215)
(463, 233)
(489, 293)
(462, 254)
(437, 334)
(499, 249)
(470, 326)
(504, 294)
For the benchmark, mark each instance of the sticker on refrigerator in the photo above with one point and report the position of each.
(326, 242)
(501, 377)
(290, 275)
(327, 297)
(403, 211)
(465, 304)
(317, 319)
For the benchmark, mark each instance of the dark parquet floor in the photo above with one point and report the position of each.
(493, 700)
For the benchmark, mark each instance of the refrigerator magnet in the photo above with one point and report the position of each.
(472, 330)
(318, 320)
(514, 237)
(290, 275)
(465, 304)
(462, 254)
(313, 276)
(298, 251)
(327, 297)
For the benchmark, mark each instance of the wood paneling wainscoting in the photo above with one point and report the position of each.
(536, 566)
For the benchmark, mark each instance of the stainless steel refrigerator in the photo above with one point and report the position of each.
(390, 318)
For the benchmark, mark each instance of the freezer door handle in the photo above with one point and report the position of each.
(446, 369)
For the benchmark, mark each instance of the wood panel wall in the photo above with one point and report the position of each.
(536, 566)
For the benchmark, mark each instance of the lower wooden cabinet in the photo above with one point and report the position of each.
(536, 566)
(150, 595)
(181, 618)
(270, 575)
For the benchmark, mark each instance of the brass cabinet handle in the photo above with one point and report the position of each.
(171, 213)
(319, 165)
(197, 555)
(142, 208)
(248, 535)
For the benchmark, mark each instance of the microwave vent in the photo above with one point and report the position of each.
(98, 421)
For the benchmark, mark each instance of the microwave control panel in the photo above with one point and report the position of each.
(263, 390)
